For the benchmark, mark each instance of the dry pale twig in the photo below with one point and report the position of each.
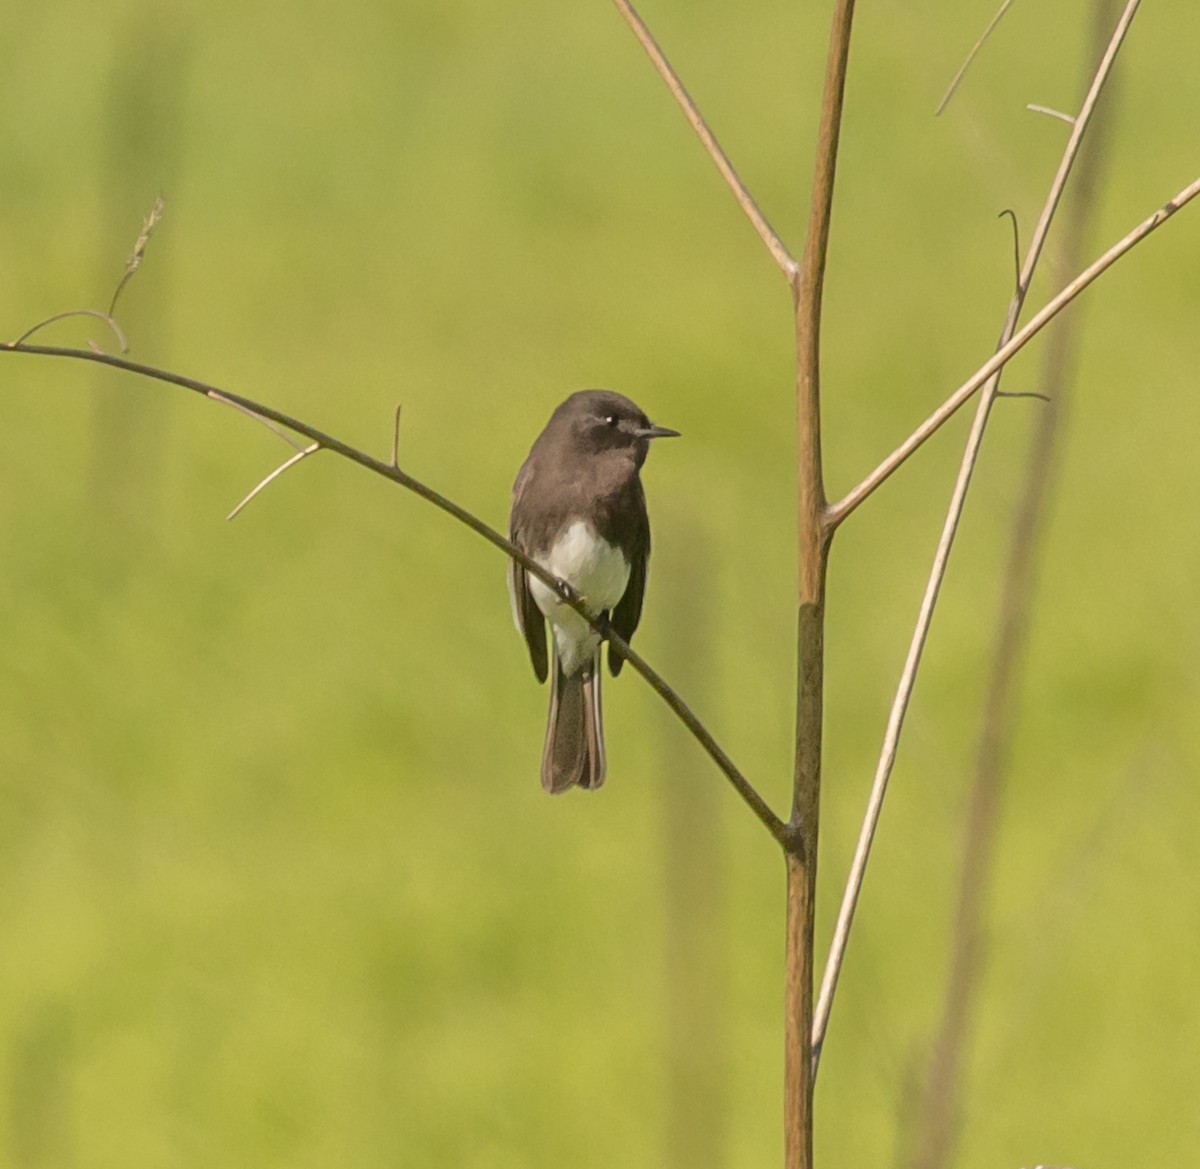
(1052, 113)
(838, 511)
(266, 414)
(962, 72)
(943, 1088)
(74, 312)
(937, 574)
(311, 449)
(139, 249)
(131, 266)
(766, 232)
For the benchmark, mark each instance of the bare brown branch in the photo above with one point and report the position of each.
(813, 539)
(700, 732)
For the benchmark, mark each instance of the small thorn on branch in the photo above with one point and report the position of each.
(1052, 113)
(311, 449)
(1016, 240)
(396, 439)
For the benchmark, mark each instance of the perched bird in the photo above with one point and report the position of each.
(579, 511)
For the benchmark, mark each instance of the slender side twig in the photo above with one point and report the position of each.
(131, 266)
(941, 1107)
(937, 574)
(311, 449)
(700, 732)
(76, 312)
(1034, 108)
(840, 510)
(962, 72)
(766, 232)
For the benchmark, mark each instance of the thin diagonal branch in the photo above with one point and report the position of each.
(657, 683)
(766, 232)
(840, 510)
(904, 690)
(299, 456)
(962, 71)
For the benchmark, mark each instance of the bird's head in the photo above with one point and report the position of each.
(602, 421)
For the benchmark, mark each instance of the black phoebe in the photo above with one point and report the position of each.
(580, 512)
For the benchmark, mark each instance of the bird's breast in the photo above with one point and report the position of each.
(594, 568)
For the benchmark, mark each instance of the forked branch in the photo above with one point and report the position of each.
(840, 510)
(937, 573)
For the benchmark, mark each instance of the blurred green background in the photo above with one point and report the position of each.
(278, 885)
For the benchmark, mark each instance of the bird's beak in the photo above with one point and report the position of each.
(657, 432)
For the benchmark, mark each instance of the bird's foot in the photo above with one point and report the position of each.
(566, 592)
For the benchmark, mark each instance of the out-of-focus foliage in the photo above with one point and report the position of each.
(278, 885)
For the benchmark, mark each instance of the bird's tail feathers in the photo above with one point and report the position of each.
(574, 752)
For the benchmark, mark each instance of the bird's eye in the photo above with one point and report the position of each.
(611, 420)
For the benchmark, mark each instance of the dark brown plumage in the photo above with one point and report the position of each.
(579, 510)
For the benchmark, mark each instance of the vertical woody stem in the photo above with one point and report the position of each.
(813, 533)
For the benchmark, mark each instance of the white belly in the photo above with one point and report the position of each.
(598, 572)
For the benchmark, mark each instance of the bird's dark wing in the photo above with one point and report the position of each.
(526, 613)
(628, 613)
